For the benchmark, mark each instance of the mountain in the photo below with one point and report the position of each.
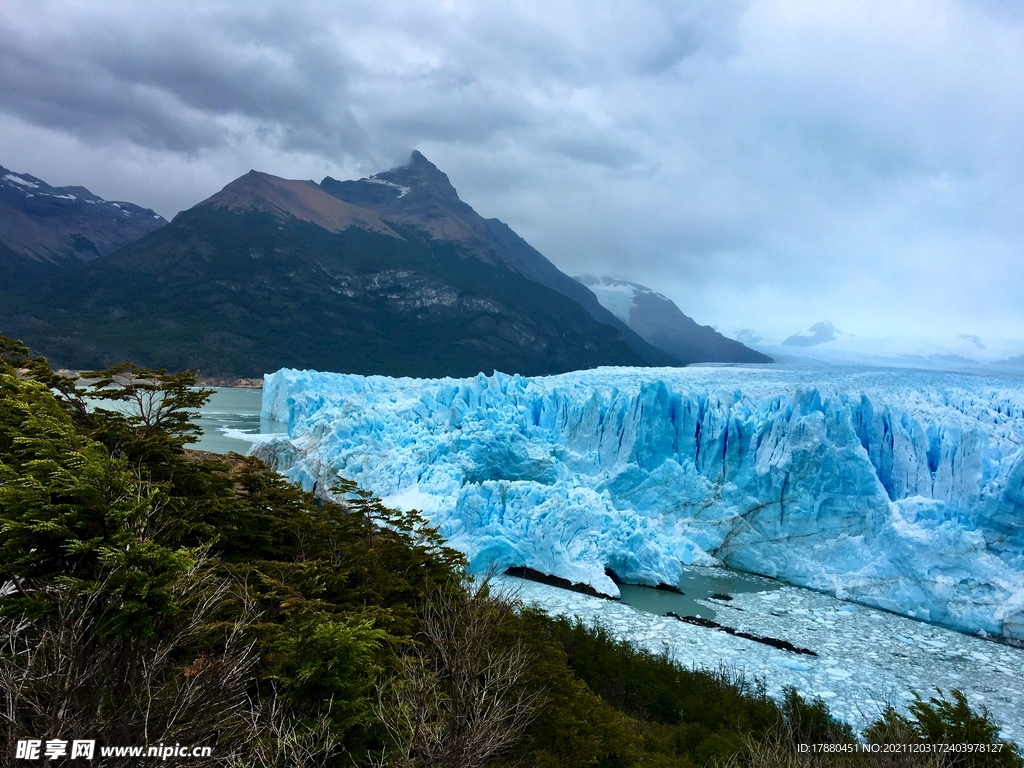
(271, 272)
(46, 230)
(661, 323)
(819, 333)
(421, 196)
(974, 340)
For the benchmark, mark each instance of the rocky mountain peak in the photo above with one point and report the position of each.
(418, 161)
(419, 175)
(292, 199)
(46, 229)
(420, 195)
(819, 333)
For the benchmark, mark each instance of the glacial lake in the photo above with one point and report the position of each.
(231, 421)
(701, 590)
(866, 658)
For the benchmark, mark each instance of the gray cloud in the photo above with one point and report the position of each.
(765, 164)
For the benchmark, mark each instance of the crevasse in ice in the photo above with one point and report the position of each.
(901, 490)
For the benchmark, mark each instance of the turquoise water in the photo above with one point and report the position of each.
(697, 584)
(231, 415)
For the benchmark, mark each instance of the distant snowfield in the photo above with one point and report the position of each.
(866, 658)
(964, 353)
(902, 490)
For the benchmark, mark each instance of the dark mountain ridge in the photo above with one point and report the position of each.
(421, 196)
(271, 272)
(47, 230)
(391, 274)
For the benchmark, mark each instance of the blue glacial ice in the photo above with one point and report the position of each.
(900, 490)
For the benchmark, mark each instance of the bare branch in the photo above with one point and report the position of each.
(459, 698)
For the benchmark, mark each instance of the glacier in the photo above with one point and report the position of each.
(897, 489)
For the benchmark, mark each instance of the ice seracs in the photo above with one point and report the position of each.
(897, 489)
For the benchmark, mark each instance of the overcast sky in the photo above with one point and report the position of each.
(765, 164)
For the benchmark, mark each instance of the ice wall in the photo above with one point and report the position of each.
(901, 490)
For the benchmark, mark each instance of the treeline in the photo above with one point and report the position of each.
(155, 595)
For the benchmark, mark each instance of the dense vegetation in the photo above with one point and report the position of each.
(157, 595)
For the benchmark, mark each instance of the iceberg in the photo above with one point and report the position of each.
(902, 490)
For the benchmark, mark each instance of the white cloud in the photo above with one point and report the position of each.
(764, 163)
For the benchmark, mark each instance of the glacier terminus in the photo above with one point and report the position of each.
(901, 490)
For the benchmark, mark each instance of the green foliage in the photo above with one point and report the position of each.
(941, 721)
(72, 514)
(164, 563)
(155, 417)
(575, 727)
(462, 694)
(811, 722)
(683, 714)
(319, 659)
(102, 624)
(336, 587)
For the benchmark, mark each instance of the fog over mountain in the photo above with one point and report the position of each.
(764, 165)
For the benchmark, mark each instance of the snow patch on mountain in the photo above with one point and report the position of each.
(402, 191)
(23, 183)
(901, 490)
(661, 323)
(617, 296)
(20, 181)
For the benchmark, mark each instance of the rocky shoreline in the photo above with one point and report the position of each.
(228, 381)
(207, 381)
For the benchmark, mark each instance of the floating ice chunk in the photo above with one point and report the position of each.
(254, 437)
(793, 664)
(836, 672)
